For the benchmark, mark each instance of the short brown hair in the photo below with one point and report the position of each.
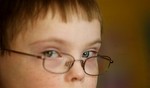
(15, 14)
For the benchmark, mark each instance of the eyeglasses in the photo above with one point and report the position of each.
(62, 62)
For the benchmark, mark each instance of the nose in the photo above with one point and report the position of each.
(76, 72)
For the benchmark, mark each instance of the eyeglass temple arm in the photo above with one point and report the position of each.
(107, 58)
(18, 52)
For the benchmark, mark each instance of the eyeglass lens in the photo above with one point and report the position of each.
(92, 66)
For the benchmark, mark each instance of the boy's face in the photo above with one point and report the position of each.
(74, 37)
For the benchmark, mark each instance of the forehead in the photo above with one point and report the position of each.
(75, 30)
(75, 25)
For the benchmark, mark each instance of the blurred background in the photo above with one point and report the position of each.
(126, 39)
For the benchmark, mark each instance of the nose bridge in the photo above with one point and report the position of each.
(81, 61)
(76, 60)
(77, 63)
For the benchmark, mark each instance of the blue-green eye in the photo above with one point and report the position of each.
(51, 54)
(89, 54)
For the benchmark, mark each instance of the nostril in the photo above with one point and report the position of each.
(74, 79)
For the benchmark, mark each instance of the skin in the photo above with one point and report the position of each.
(73, 37)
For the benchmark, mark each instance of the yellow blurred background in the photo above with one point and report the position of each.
(126, 39)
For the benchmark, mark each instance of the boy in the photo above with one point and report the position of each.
(50, 44)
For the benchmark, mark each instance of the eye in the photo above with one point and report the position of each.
(89, 54)
(51, 54)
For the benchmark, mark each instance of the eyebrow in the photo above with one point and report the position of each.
(97, 41)
(63, 42)
(54, 40)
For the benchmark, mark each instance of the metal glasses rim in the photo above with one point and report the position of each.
(43, 58)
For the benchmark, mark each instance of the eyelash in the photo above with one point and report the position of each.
(93, 52)
(51, 53)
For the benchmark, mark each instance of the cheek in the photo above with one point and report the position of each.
(36, 77)
(23, 73)
(91, 82)
(39, 80)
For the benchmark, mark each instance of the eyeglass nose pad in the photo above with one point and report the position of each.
(68, 64)
(82, 63)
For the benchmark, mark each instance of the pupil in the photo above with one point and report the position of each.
(85, 54)
(49, 53)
